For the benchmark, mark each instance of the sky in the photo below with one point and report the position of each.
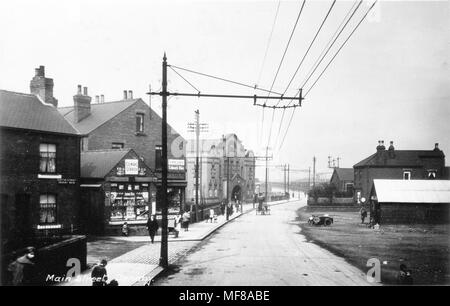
(389, 82)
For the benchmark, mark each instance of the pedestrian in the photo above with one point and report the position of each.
(363, 213)
(186, 218)
(99, 275)
(222, 207)
(125, 229)
(23, 269)
(255, 199)
(211, 215)
(152, 227)
(404, 276)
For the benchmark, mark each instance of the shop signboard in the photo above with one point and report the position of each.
(131, 167)
(176, 164)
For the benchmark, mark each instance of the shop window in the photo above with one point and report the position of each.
(47, 209)
(129, 203)
(139, 123)
(117, 145)
(47, 154)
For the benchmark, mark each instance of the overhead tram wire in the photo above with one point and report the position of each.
(328, 45)
(343, 44)
(329, 48)
(302, 60)
(264, 63)
(322, 56)
(281, 62)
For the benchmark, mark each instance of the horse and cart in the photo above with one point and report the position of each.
(263, 208)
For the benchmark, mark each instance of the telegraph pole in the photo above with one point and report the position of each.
(164, 258)
(309, 178)
(197, 127)
(314, 171)
(267, 174)
(228, 185)
(164, 94)
(289, 192)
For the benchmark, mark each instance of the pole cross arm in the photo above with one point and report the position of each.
(254, 97)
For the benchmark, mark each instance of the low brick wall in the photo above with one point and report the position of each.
(52, 260)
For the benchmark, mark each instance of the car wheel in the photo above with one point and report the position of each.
(328, 222)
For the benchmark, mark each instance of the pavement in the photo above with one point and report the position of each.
(139, 266)
(257, 250)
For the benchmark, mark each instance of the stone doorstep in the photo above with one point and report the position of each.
(158, 270)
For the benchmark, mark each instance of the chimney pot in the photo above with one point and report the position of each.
(130, 94)
(79, 90)
(85, 91)
(102, 98)
(97, 99)
(125, 95)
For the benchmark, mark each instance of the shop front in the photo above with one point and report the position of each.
(117, 187)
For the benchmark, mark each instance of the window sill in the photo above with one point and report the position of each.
(50, 176)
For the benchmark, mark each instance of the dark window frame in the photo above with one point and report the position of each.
(121, 144)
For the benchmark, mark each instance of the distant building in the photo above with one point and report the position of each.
(216, 157)
(410, 201)
(129, 124)
(343, 179)
(397, 164)
(39, 166)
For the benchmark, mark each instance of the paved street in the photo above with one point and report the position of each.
(262, 250)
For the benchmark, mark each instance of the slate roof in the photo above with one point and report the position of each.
(97, 164)
(402, 158)
(344, 174)
(27, 111)
(100, 114)
(412, 191)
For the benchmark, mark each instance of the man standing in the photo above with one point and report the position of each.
(186, 217)
(23, 269)
(363, 213)
(99, 275)
(152, 226)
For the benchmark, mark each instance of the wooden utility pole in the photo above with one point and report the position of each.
(314, 171)
(267, 176)
(164, 94)
(164, 258)
(288, 189)
(228, 185)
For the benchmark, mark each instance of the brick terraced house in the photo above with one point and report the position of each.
(39, 166)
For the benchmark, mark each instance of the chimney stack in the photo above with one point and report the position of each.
(82, 104)
(125, 95)
(43, 87)
(102, 99)
(391, 146)
(130, 94)
(436, 147)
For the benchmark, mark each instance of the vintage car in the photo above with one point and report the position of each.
(325, 220)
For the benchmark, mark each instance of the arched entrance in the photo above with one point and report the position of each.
(236, 193)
